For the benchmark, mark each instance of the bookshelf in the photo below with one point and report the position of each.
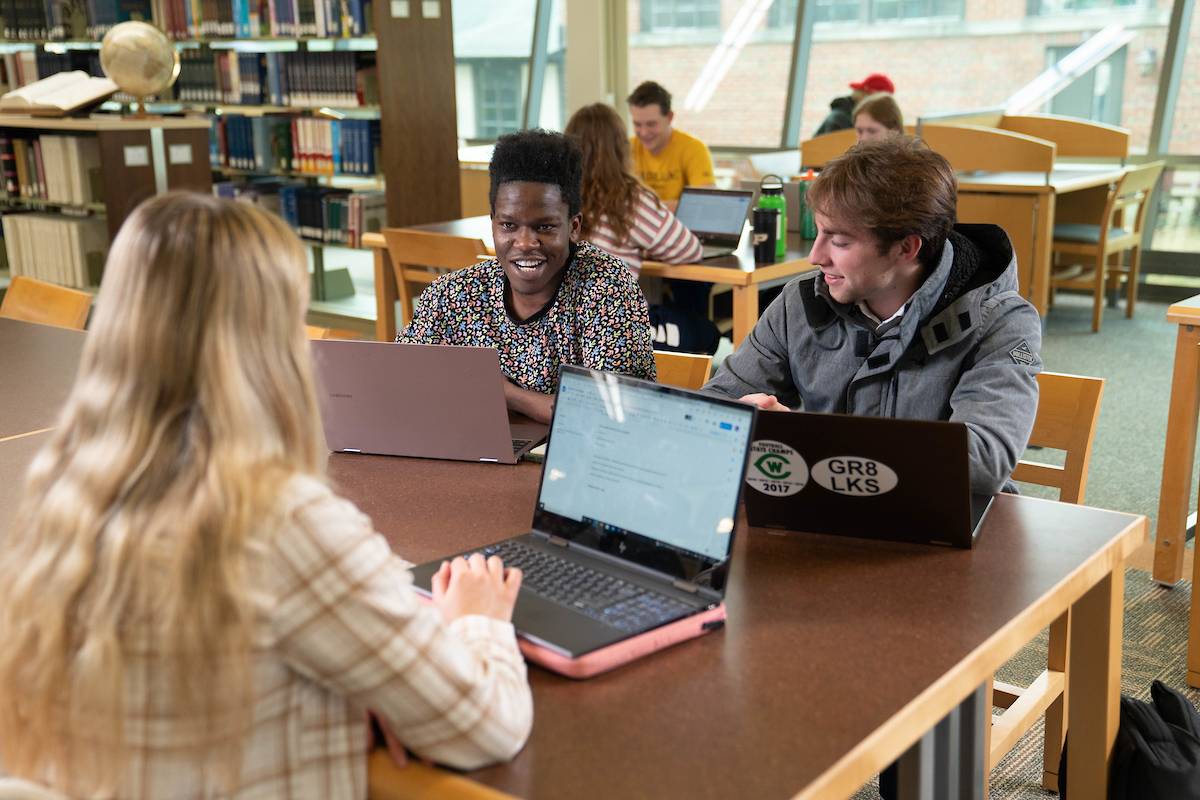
(410, 94)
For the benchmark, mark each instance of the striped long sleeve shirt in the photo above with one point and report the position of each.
(654, 235)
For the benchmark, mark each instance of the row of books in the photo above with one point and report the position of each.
(57, 169)
(286, 143)
(34, 20)
(191, 19)
(333, 216)
(302, 79)
(58, 248)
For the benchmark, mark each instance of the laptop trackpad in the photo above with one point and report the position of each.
(570, 631)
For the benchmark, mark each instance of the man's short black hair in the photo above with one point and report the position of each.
(649, 93)
(538, 156)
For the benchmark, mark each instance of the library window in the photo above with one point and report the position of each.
(782, 14)
(677, 15)
(1041, 8)
(887, 10)
(497, 98)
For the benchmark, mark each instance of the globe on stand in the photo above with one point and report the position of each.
(140, 59)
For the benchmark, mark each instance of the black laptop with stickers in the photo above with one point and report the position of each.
(871, 477)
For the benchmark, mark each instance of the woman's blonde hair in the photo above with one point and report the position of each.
(882, 108)
(194, 403)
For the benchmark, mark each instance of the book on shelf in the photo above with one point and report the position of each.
(58, 94)
(191, 19)
(57, 248)
(60, 169)
(288, 143)
(316, 213)
(300, 79)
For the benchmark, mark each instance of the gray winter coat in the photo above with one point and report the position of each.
(966, 350)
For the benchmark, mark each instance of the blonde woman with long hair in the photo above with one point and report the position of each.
(187, 610)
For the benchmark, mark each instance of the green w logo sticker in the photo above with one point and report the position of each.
(773, 466)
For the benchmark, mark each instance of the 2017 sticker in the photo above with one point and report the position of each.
(776, 469)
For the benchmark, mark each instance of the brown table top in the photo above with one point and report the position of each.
(737, 269)
(37, 370)
(837, 655)
(15, 457)
(1185, 312)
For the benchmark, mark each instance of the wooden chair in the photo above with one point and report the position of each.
(1074, 138)
(1068, 407)
(420, 258)
(820, 150)
(316, 333)
(685, 370)
(417, 781)
(31, 300)
(1089, 253)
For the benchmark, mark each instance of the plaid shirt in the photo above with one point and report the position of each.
(341, 631)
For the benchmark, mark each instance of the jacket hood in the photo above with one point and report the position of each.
(975, 256)
(842, 104)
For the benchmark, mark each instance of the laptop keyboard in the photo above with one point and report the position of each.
(519, 445)
(603, 597)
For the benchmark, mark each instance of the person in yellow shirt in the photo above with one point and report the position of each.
(664, 158)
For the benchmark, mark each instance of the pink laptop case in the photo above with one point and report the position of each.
(627, 650)
(615, 655)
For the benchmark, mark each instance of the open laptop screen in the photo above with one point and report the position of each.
(713, 211)
(646, 472)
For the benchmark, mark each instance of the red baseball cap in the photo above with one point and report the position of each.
(875, 82)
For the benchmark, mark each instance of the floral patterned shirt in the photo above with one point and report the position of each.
(596, 319)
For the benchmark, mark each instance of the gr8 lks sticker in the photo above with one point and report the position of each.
(776, 469)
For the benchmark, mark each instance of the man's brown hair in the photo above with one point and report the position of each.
(649, 93)
(893, 187)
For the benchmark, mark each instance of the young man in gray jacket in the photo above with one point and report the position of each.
(910, 315)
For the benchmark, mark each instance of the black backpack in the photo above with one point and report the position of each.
(1157, 752)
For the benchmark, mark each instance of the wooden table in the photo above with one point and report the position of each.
(1023, 203)
(1178, 453)
(839, 654)
(737, 271)
(37, 370)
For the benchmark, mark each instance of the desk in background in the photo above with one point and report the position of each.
(737, 271)
(838, 655)
(1179, 451)
(1024, 204)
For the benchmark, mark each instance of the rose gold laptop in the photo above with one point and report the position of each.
(426, 401)
(634, 524)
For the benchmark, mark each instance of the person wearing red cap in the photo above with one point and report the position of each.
(841, 108)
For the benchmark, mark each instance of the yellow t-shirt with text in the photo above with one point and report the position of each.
(685, 161)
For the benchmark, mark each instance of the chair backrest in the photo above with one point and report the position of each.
(1068, 407)
(820, 150)
(685, 370)
(1137, 189)
(31, 300)
(1074, 138)
(316, 333)
(408, 248)
(971, 148)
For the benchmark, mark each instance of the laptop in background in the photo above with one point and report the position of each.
(428, 401)
(871, 477)
(716, 216)
(633, 526)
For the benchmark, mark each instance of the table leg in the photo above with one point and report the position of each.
(1043, 240)
(950, 761)
(1179, 449)
(385, 297)
(745, 311)
(1094, 683)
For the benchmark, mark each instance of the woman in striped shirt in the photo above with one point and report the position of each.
(620, 215)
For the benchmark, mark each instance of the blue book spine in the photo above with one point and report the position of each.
(241, 10)
(335, 144)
